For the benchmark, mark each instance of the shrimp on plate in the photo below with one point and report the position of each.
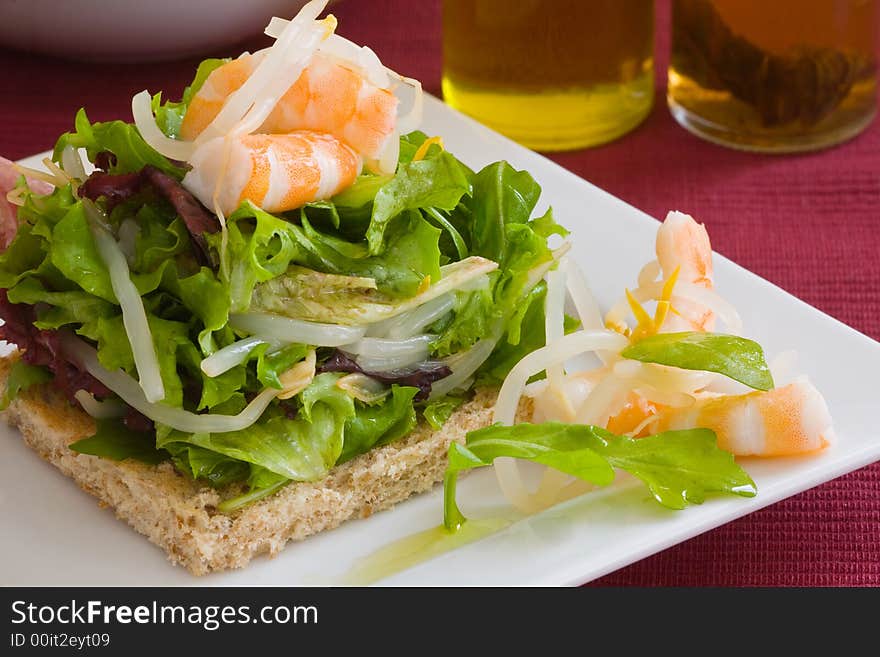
(287, 125)
(634, 398)
(328, 97)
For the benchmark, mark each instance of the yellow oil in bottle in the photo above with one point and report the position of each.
(551, 74)
(781, 76)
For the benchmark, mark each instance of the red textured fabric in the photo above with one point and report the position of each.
(808, 223)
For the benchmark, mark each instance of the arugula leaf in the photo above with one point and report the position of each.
(737, 358)
(501, 196)
(21, 377)
(113, 440)
(679, 467)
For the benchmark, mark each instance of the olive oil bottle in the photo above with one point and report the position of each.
(551, 74)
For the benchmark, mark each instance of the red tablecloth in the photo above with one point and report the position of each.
(808, 223)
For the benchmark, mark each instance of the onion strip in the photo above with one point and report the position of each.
(231, 355)
(142, 111)
(100, 410)
(284, 329)
(134, 316)
(177, 418)
(381, 355)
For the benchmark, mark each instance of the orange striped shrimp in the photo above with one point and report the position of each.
(275, 172)
(685, 291)
(786, 421)
(327, 97)
(683, 244)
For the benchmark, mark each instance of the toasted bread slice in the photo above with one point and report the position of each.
(180, 515)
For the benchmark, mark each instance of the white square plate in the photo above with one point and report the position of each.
(55, 534)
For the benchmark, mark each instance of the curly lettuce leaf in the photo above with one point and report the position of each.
(432, 182)
(120, 138)
(380, 424)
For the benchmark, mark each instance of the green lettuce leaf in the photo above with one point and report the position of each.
(21, 377)
(738, 358)
(300, 449)
(214, 468)
(437, 411)
(380, 424)
(113, 440)
(433, 182)
(120, 138)
(678, 467)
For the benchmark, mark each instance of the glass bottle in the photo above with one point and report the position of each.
(551, 74)
(781, 76)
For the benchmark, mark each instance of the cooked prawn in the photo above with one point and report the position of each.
(328, 97)
(683, 245)
(275, 172)
(793, 419)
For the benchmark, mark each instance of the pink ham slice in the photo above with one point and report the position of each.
(8, 212)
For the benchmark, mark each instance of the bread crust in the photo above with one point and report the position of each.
(180, 515)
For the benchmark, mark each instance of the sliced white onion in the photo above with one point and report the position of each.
(100, 410)
(381, 355)
(131, 393)
(231, 355)
(277, 71)
(671, 398)
(142, 111)
(362, 58)
(603, 401)
(388, 156)
(413, 118)
(539, 360)
(409, 324)
(554, 317)
(463, 366)
(662, 377)
(582, 296)
(363, 388)
(128, 233)
(284, 329)
(134, 317)
(72, 163)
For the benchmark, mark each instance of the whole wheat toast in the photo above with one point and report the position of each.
(180, 515)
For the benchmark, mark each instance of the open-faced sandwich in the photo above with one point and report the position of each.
(275, 305)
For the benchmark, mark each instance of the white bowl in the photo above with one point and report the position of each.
(137, 30)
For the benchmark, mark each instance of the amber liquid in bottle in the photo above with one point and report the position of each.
(551, 74)
(780, 76)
